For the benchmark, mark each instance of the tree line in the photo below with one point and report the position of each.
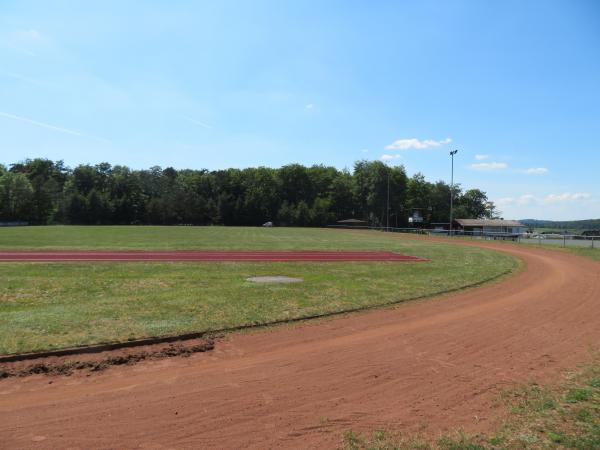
(41, 191)
(588, 224)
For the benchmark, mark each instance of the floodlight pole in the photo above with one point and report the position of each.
(387, 220)
(452, 153)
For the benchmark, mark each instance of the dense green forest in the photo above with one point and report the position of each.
(41, 191)
(589, 224)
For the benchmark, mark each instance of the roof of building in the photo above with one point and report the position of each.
(488, 223)
(351, 221)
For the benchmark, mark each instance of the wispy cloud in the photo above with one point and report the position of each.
(30, 35)
(197, 122)
(529, 199)
(505, 201)
(501, 166)
(310, 106)
(536, 171)
(386, 157)
(20, 77)
(526, 199)
(24, 41)
(522, 200)
(566, 197)
(489, 166)
(413, 143)
(49, 126)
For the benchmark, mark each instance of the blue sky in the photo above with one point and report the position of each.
(514, 85)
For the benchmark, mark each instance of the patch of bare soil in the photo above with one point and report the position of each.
(66, 365)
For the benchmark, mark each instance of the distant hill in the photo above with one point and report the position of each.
(590, 224)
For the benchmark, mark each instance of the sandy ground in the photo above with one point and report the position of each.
(430, 365)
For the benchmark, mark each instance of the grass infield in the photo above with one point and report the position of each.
(55, 305)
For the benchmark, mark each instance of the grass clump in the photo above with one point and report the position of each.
(578, 395)
(385, 440)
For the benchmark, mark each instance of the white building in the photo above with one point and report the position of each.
(489, 227)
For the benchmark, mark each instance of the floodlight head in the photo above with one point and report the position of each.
(453, 152)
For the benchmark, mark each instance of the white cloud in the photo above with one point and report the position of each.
(561, 206)
(387, 157)
(310, 106)
(536, 171)
(50, 127)
(197, 122)
(529, 199)
(481, 157)
(523, 200)
(406, 144)
(505, 201)
(526, 199)
(489, 166)
(566, 197)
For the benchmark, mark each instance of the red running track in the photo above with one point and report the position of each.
(275, 256)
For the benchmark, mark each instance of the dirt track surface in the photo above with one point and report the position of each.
(174, 256)
(429, 365)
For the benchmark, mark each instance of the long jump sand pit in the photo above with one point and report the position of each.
(426, 366)
(212, 256)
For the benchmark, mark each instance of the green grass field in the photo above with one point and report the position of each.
(184, 238)
(54, 305)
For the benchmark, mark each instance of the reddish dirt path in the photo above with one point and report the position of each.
(278, 256)
(436, 364)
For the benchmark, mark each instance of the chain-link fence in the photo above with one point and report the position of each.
(560, 240)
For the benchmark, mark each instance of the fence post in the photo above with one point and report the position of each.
(564, 240)
(539, 239)
(592, 241)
